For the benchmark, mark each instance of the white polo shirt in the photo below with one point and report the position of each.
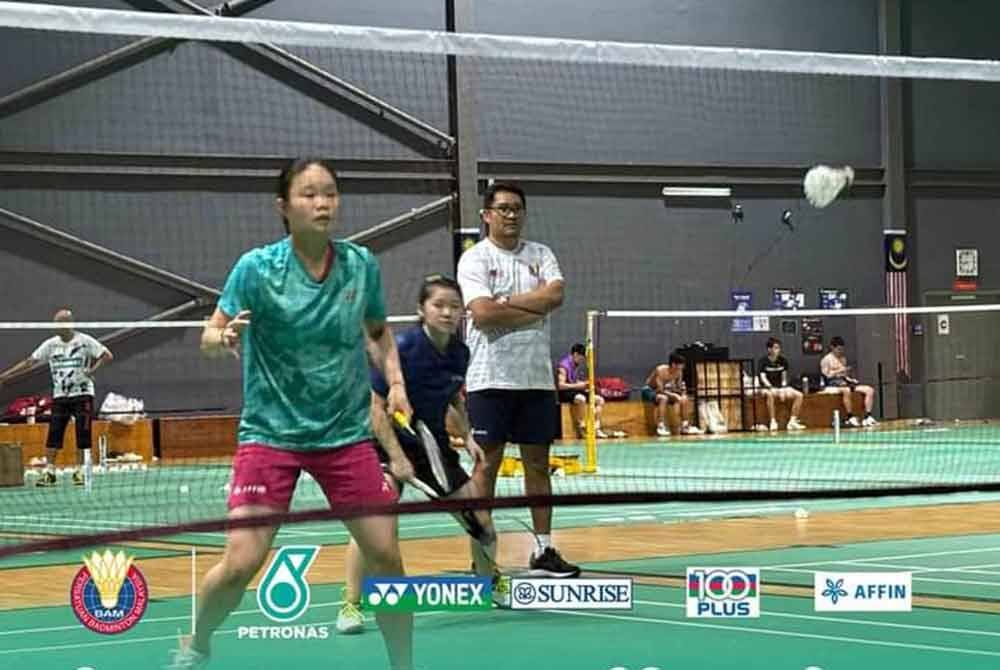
(508, 358)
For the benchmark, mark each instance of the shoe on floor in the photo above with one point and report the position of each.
(691, 430)
(78, 479)
(501, 590)
(869, 422)
(662, 431)
(773, 427)
(550, 564)
(795, 424)
(853, 422)
(350, 620)
(186, 658)
(48, 478)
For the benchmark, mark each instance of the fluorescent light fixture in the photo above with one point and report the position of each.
(697, 192)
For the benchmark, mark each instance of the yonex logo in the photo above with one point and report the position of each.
(388, 593)
(412, 594)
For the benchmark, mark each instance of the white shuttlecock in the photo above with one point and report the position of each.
(823, 184)
(184, 488)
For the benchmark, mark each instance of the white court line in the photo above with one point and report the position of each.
(781, 633)
(972, 569)
(741, 510)
(955, 552)
(229, 631)
(145, 621)
(915, 577)
(865, 622)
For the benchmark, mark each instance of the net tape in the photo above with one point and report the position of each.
(505, 47)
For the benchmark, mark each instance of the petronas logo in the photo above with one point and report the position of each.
(283, 593)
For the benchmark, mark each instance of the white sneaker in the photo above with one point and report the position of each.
(853, 422)
(869, 422)
(662, 431)
(795, 424)
(350, 620)
(774, 426)
(601, 435)
(688, 429)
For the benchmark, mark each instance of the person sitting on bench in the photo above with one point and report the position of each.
(665, 388)
(837, 375)
(571, 380)
(774, 378)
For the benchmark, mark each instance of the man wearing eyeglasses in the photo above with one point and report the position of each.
(510, 286)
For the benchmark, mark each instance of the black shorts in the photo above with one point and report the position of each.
(570, 396)
(452, 472)
(78, 407)
(522, 417)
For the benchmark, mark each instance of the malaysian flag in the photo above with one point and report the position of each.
(896, 263)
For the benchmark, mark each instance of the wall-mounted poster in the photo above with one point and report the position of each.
(786, 298)
(812, 336)
(742, 301)
(832, 298)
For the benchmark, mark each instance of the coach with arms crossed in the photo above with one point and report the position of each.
(510, 286)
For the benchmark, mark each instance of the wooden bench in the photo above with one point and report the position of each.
(197, 436)
(817, 409)
(638, 418)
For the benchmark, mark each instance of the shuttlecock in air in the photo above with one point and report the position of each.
(823, 183)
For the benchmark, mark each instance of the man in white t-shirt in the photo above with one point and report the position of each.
(73, 358)
(510, 286)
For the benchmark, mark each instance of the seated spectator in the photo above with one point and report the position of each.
(571, 380)
(773, 374)
(837, 375)
(665, 388)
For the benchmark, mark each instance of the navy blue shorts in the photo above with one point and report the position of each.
(521, 417)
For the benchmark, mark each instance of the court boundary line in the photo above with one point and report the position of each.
(781, 633)
(865, 622)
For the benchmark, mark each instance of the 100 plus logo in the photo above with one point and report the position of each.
(723, 592)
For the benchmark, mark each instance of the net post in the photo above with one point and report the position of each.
(88, 471)
(194, 589)
(836, 426)
(590, 458)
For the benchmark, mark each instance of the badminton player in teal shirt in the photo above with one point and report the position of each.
(300, 313)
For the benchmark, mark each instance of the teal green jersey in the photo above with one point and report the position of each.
(305, 370)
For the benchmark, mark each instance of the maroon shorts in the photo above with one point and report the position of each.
(351, 475)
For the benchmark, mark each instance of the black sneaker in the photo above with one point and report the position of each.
(78, 479)
(48, 478)
(550, 564)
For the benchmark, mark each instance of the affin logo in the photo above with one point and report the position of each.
(423, 594)
(863, 591)
(283, 593)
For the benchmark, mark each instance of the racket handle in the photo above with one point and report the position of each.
(403, 422)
